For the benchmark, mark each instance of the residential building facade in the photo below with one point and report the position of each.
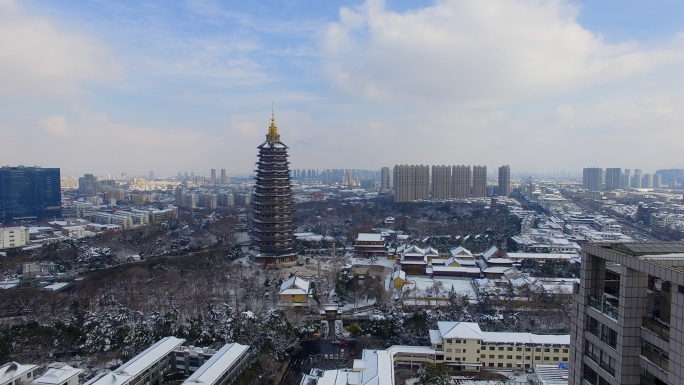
(441, 182)
(479, 181)
(628, 315)
(462, 180)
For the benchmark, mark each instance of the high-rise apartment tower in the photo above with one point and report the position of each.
(411, 183)
(628, 315)
(613, 178)
(441, 182)
(385, 179)
(461, 177)
(479, 181)
(505, 181)
(591, 178)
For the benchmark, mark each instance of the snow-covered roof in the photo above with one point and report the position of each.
(526, 338)
(465, 330)
(435, 338)
(221, 362)
(57, 286)
(492, 251)
(455, 269)
(562, 256)
(399, 274)
(294, 285)
(141, 362)
(369, 237)
(13, 370)
(460, 251)
(499, 261)
(57, 373)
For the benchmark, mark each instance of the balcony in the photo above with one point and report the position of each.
(657, 328)
(663, 363)
(608, 306)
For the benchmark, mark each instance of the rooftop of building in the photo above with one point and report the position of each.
(57, 373)
(13, 370)
(213, 369)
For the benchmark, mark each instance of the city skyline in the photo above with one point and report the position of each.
(109, 87)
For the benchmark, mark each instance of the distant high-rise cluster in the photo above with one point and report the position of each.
(596, 179)
(29, 193)
(446, 182)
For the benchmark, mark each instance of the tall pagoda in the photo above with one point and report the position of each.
(272, 238)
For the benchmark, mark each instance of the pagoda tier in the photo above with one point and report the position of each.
(272, 236)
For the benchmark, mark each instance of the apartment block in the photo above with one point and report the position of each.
(613, 178)
(441, 182)
(462, 180)
(504, 181)
(411, 183)
(479, 181)
(628, 315)
(591, 178)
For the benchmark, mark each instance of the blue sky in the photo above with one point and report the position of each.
(128, 86)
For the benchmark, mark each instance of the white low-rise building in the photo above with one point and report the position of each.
(147, 368)
(13, 373)
(223, 367)
(13, 237)
(59, 373)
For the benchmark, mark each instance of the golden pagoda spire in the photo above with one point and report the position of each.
(272, 135)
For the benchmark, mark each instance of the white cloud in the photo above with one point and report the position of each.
(55, 125)
(476, 53)
(39, 59)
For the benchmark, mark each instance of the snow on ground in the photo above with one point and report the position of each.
(460, 286)
(377, 262)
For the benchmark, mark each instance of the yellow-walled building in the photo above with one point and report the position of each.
(294, 291)
(464, 345)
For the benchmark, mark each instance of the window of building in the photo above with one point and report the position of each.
(527, 357)
(537, 358)
(510, 349)
(537, 349)
(491, 356)
(492, 348)
(501, 348)
(500, 364)
(509, 365)
(464, 350)
(555, 359)
(491, 364)
(556, 350)
(457, 350)
(565, 350)
(449, 350)
(546, 350)
(501, 356)
(518, 357)
(509, 357)
(590, 375)
(518, 349)
(483, 356)
(565, 359)
(458, 341)
(528, 349)
(448, 341)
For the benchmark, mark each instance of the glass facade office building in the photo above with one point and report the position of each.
(29, 193)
